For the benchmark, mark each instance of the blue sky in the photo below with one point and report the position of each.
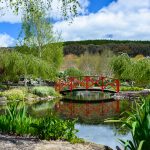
(122, 19)
(95, 6)
(13, 28)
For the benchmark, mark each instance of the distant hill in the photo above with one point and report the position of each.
(133, 48)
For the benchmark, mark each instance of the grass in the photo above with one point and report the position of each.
(17, 121)
(125, 88)
(138, 122)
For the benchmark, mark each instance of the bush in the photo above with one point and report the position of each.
(14, 94)
(73, 72)
(55, 128)
(17, 121)
(138, 122)
(123, 88)
(44, 91)
(3, 87)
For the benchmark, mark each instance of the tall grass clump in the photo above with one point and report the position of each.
(44, 91)
(17, 121)
(138, 122)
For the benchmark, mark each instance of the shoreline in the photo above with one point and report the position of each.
(8, 142)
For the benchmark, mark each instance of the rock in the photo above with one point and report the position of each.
(3, 98)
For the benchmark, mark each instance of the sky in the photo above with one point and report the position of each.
(98, 19)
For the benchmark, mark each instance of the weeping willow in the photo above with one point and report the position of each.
(39, 39)
(67, 8)
(13, 65)
(127, 68)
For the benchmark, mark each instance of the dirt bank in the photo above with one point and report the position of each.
(21, 143)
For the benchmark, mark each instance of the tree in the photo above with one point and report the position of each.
(121, 66)
(127, 68)
(13, 65)
(39, 38)
(68, 7)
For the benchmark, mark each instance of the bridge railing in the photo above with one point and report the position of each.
(88, 82)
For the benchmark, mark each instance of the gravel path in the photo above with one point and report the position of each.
(21, 143)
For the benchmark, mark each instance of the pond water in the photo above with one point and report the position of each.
(90, 115)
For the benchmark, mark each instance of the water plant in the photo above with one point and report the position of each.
(138, 122)
(16, 120)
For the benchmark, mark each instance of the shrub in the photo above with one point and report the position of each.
(44, 91)
(73, 72)
(14, 94)
(123, 88)
(17, 121)
(55, 128)
(138, 122)
(3, 87)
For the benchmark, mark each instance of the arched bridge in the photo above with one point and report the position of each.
(91, 83)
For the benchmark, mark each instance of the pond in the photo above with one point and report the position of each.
(90, 110)
(90, 117)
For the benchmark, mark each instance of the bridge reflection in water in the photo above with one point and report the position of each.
(88, 112)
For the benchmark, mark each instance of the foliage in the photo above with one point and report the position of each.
(14, 64)
(125, 88)
(132, 48)
(39, 38)
(121, 66)
(55, 128)
(73, 72)
(69, 61)
(133, 70)
(17, 121)
(138, 122)
(14, 94)
(141, 69)
(90, 63)
(67, 8)
(44, 91)
(3, 87)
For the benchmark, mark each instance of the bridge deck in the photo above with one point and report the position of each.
(63, 92)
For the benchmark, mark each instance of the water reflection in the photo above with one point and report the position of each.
(90, 117)
(89, 95)
(101, 134)
(87, 112)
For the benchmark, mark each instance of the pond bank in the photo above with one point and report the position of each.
(131, 95)
(21, 143)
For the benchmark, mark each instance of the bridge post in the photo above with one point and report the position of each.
(118, 106)
(117, 86)
(87, 79)
(71, 83)
(102, 87)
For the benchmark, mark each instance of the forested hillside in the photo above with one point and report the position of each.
(133, 48)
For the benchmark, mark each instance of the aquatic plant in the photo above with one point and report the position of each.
(17, 121)
(138, 122)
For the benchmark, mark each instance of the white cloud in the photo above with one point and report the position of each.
(124, 19)
(56, 12)
(7, 15)
(6, 40)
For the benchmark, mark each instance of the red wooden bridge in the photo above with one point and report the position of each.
(91, 83)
